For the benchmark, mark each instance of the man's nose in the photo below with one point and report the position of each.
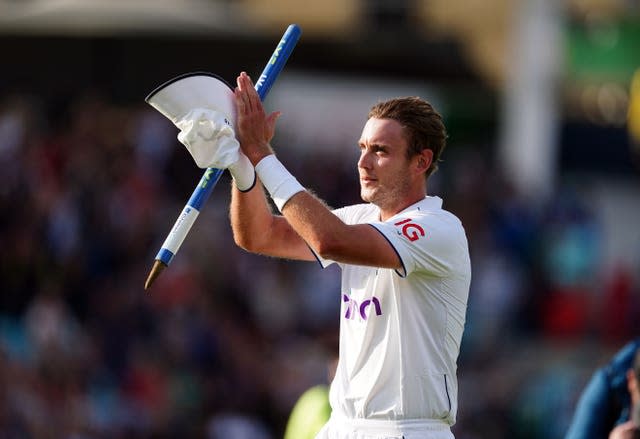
(365, 160)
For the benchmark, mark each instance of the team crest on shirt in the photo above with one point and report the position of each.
(411, 230)
(363, 310)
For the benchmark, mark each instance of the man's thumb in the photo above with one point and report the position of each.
(273, 117)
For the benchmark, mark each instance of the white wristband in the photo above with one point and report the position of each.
(243, 174)
(279, 182)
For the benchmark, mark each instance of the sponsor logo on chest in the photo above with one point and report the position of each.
(361, 311)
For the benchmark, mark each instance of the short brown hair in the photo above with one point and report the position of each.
(423, 125)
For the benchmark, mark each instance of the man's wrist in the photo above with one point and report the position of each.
(255, 153)
(279, 182)
(243, 173)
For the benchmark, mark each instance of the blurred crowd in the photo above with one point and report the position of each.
(225, 342)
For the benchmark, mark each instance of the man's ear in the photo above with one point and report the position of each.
(425, 158)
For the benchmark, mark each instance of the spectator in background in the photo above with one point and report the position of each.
(309, 414)
(631, 428)
(312, 410)
(606, 403)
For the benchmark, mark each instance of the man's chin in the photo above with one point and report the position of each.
(367, 196)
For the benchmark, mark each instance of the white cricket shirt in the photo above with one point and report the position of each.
(400, 331)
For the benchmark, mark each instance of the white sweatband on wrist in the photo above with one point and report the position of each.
(279, 182)
(243, 173)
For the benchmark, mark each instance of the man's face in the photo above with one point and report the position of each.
(383, 164)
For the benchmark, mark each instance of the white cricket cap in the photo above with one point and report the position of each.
(176, 97)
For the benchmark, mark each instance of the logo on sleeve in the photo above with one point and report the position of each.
(411, 230)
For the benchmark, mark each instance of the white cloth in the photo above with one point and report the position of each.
(209, 137)
(400, 331)
(279, 182)
(337, 428)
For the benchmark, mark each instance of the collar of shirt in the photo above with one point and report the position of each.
(427, 204)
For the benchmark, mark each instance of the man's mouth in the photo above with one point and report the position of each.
(365, 179)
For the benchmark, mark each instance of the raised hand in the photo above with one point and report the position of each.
(254, 128)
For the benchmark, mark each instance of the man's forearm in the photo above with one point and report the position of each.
(313, 223)
(332, 239)
(250, 216)
(258, 230)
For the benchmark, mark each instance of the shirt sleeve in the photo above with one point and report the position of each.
(590, 418)
(324, 263)
(424, 243)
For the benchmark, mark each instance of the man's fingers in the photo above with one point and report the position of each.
(253, 100)
(273, 118)
(271, 124)
(240, 103)
(241, 88)
(248, 98)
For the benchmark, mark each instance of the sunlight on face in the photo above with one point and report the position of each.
(383, 164)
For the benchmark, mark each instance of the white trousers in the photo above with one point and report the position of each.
(377, 429)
